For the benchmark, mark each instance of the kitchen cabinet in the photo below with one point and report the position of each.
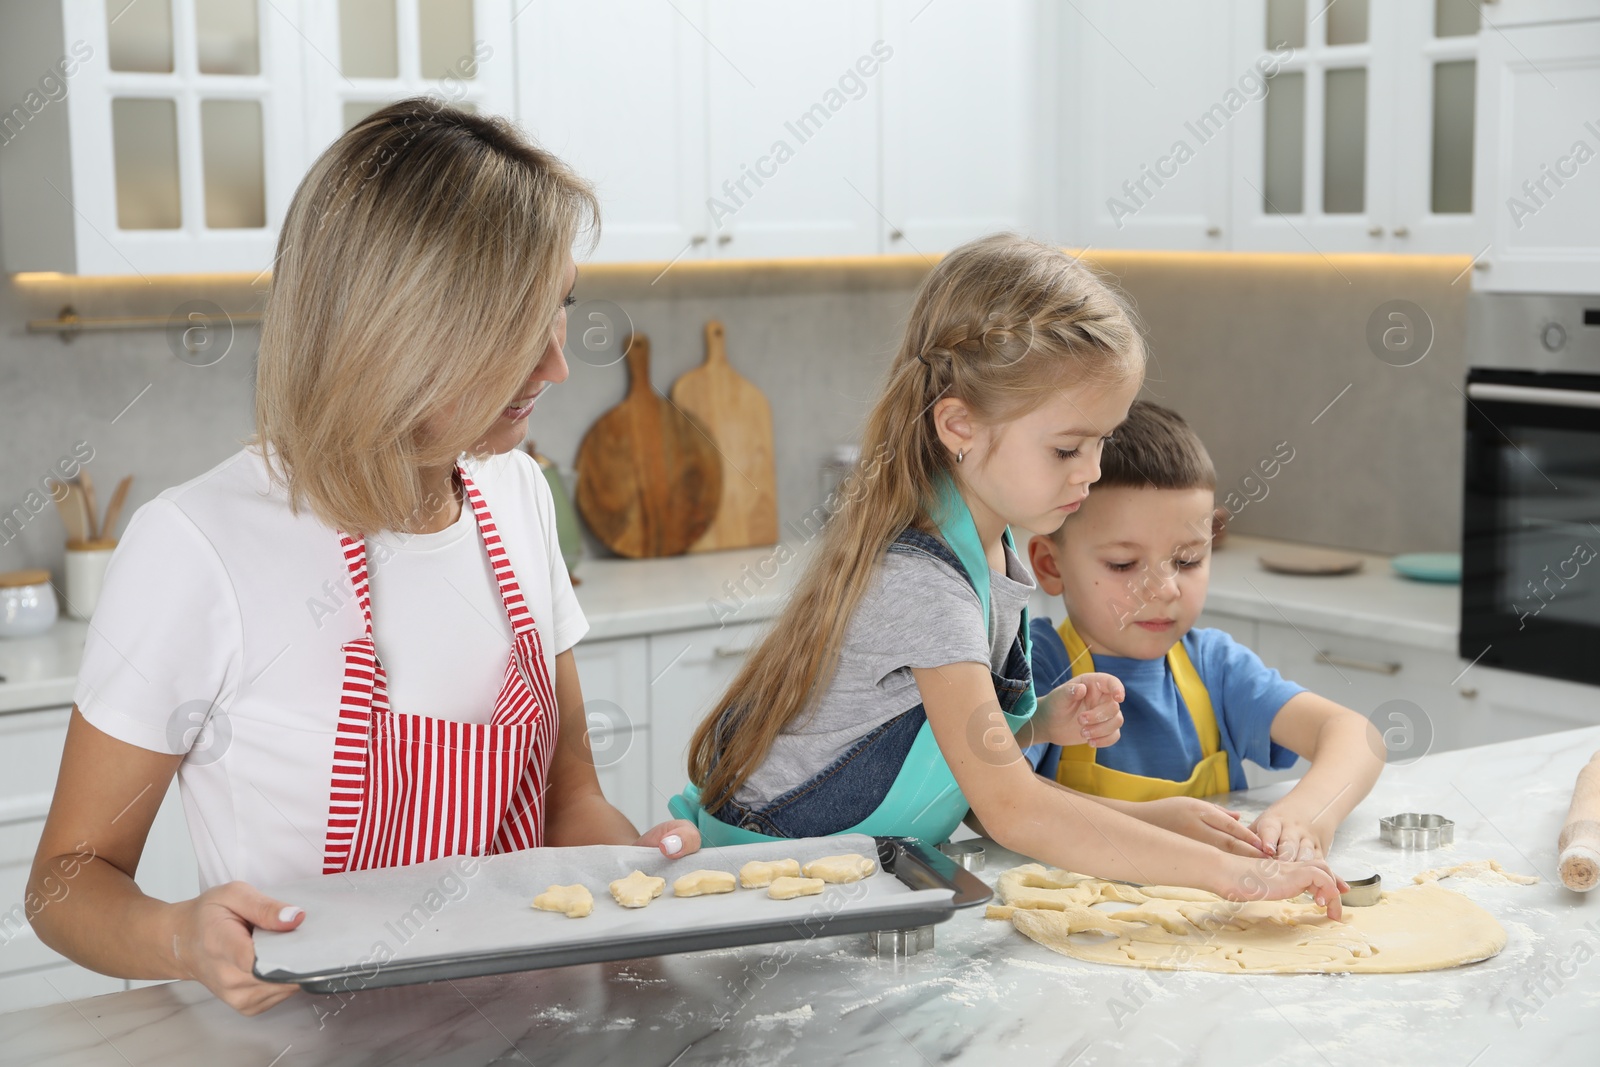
(363, 54)
(792, 134)
(689, 669)
(149, 137)
(1507, 705)
(634, 124)
(961, 144)
(31, 973)
(1149, 161)
(1410, 694)
(616, 706)
(1539, 138)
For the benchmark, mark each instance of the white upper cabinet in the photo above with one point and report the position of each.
(963, 153)
(793, 127)
(362, 54)
(149, 136)
(1438, 206)
(1150, 123)
(1313, 159)
(1365, 140)
(616, 88)
(1539, 90)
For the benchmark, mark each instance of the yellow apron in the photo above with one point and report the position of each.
(1078, 769)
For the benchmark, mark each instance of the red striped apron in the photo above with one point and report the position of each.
(408, 788)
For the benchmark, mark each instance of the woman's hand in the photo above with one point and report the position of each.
(1086, 711)
(675, 838)
(1202, 821)
(1269, 879)
(212, 943)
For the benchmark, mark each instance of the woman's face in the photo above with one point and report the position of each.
(510, 428)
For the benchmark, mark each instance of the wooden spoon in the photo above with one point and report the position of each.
(108, 528)
(86, 482)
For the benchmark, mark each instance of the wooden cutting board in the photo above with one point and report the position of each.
(740, 422)
(649, 479)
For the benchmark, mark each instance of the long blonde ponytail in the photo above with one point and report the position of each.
(1001, 322)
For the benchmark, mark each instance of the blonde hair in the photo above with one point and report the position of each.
(1001, 323)
(419, 274)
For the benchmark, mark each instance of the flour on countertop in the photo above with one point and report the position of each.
(794, 1015)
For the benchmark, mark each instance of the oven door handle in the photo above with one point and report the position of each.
(1529, 394)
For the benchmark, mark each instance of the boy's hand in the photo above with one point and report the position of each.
(1202, 821)
(1289, 835)
(1087, 710)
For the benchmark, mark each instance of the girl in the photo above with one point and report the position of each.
(894, 691)
(367, 607)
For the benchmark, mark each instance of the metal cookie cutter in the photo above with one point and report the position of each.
(1363, 892)
(967, 853)
(1410, 830)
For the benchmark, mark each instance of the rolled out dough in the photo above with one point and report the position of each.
(1421, 928)
(1478, 871)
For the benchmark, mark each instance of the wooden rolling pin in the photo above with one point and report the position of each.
(1580, 834)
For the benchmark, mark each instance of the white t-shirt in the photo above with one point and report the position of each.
(219, 598)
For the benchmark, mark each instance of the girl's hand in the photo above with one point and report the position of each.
(1203, 821)
(212, 943)
(675, 838)
(1087, 711)
(1268, 879)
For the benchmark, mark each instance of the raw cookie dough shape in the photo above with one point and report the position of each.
(851, 867)
(787, 888)
(758, 874)
(1423, 928)
(703, 883)
(637, 890)
(1478, 871)
(573, 901)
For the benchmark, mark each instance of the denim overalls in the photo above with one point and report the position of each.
(850, 789)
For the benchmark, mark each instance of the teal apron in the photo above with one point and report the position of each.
(924, 801)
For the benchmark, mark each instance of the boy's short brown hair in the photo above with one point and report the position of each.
(1153, 449)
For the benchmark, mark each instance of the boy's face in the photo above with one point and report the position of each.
(1132, 568)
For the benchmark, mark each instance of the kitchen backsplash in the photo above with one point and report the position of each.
(1267, 356)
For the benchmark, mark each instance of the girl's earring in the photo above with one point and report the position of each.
(960, 452)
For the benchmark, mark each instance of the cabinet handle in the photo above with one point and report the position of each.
(698, 239)
(1470, 691)
(729, 652)
(724, 238)
(1213, 231)
(896, 235)
(1402, 231)
(1374, 231)
(1386, 667)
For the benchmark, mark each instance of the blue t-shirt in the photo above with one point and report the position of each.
(1158, 736)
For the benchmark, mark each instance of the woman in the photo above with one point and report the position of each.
(367, 605)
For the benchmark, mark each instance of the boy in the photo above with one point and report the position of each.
(1132, 566)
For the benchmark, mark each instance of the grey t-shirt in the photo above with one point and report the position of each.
(918, 612)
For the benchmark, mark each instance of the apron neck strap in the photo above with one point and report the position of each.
(956, 526)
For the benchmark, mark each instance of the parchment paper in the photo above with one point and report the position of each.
(464, 906)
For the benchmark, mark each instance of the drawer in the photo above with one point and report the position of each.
(30, 756)
(20, 949)
(1410, 694)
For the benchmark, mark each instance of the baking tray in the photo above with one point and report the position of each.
(466, 916)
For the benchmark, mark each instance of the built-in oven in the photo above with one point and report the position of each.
(1530, 546)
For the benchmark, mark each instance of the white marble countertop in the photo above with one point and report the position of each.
(1374, 602)
(985, 994)
(626, 598)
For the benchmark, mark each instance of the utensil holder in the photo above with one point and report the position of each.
(86, 572)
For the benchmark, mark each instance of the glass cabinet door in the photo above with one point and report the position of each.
(187, 126)
(1312, 156)
(1436, 118)
(368, 53)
